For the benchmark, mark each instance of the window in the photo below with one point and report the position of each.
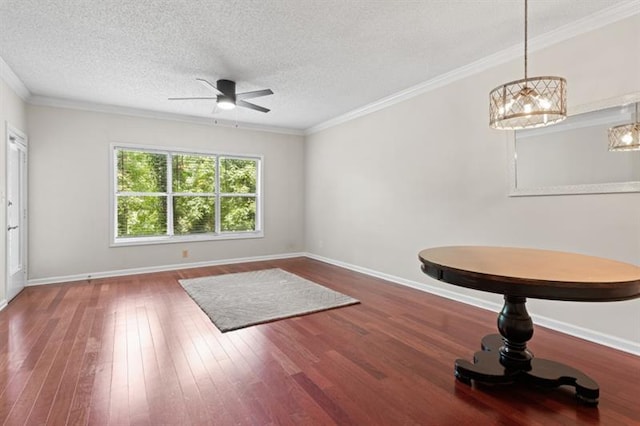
(166, 196)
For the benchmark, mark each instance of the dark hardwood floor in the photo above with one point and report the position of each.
(137, 350)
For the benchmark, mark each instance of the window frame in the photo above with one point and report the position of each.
(169, 238)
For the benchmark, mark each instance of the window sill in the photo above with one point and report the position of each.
(143, 241)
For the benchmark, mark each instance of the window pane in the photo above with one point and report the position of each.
(141, 171)
(193, 215)
(193, 173)
(142, 216)
(237, 214)
(238, 176)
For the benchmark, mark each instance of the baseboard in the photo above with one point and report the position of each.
(570, 329)
(151, 269)
(573, 330)
(3, 304)
(469, 300)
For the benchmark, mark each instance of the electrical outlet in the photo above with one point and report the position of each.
(185, 254)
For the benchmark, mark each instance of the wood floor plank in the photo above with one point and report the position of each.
(64, 378)
(101, 390)
(137, 350)
(166, 399)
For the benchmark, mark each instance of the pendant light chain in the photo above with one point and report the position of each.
(526, 37)
(530, 101)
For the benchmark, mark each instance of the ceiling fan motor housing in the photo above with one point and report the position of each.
(228, 89)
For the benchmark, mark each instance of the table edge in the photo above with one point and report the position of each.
(533, 288)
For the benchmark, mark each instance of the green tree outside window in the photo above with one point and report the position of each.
(153, 186)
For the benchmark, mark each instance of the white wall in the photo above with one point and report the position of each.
(69, 191)
(12, 111)
(429, 172)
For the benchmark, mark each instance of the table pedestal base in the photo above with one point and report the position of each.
(488, 368)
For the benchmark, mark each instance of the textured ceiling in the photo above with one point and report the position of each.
(322, 58)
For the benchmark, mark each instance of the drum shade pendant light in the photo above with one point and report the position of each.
(625, 137)
(529, 102)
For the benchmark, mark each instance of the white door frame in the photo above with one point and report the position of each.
(15, 135)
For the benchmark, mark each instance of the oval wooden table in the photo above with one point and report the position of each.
(518, 273)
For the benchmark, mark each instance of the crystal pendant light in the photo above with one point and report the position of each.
(625, 137)
(529, 102)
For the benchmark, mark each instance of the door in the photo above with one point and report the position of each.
(16, 212)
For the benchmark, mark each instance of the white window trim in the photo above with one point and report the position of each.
(169, 239)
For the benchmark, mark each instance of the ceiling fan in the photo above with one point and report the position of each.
(227, 97)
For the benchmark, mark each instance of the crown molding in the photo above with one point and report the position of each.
(143, 113)
(12, 80)
(576, 28)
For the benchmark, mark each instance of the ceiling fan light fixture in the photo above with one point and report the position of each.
(528, 102)
(225, 102)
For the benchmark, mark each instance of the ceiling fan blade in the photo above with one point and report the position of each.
(254, 94)
(251, 106)
(189, 99)
(208, 84)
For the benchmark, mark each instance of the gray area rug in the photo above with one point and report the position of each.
(234, 301)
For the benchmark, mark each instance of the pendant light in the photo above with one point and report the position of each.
(625, 137)
(529, 102)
